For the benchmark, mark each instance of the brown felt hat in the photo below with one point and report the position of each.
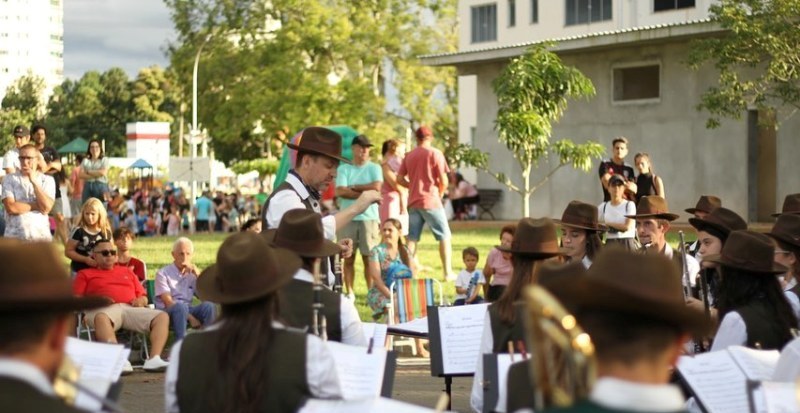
(748, 251)
(581, 215)
(301, 231)
(787, 229)
(320, 141)
(34, 279)
(721, 220)
(247, 268)
(791, 205)
(619, 280)
(534, 238)
(653, 206)
(706, 203)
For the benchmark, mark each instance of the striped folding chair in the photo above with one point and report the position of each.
(410, 300)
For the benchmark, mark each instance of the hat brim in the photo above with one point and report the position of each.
(693, 210)
(598, 228)
(66, 304)
(581, 293)
(533, 254)
(208, 287)
(326, 248)
(664, 215)
(702, 224)
(783, 239)
(777, 214)
(336, 157)
(776, 268)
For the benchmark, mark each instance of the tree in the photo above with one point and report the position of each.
(25, 95)
(532, 93)
(264, 167)
(756, 58)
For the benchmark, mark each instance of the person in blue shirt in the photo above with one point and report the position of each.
(203, 208)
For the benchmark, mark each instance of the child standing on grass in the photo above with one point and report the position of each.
(92, 227)
(470, 280)
(173, 221)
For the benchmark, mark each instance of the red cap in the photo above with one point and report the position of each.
(423, 132)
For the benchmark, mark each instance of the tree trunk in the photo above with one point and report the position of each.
(526, 193)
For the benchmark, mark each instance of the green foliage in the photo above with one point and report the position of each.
(25, 95)
(757, 58)
(263, 166)
(288, 64)
(532, 93)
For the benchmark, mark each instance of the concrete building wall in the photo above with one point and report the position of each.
(691, 159)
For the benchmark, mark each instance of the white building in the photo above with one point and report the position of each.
(31, 39)
(634, 53)
(148, 141)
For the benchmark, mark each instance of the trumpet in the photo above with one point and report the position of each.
(319, 324)
(563, 365)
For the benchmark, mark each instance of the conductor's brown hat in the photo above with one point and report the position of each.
(748, 251)
(34, 279)
(534, 238)
(706, 203)
(301, 231)
(653, 206)
(787, 230)
(619, 280)
(791, 205)
(320, 141)
(581, 215)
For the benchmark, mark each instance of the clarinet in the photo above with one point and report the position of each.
(319, 325)
(337, 273)
(687, 289)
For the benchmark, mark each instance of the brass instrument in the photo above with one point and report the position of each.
(319, 324)
(562, 363)
(67, 387)
(687, 282)
(338, 262)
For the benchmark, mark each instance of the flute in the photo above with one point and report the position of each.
(319, 324)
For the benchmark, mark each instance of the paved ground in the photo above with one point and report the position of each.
(144, 392)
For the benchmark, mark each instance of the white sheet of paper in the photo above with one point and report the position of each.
(376, 332)
(756, 364)
(100, 365)
(419, 326)
(504, 363)
(780, 397)
(717, 381)
(461, 328)
(788, 368)
(360, 374)
(380, 404)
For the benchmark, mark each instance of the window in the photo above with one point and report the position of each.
(512, 13)
(662, 5)
(636, 83)
(534, 11)
(484, 23)
(587, 11)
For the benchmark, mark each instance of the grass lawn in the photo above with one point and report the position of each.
(155, 252)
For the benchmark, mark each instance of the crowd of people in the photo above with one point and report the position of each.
(642, 301)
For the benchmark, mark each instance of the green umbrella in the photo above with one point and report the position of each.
(77, 145)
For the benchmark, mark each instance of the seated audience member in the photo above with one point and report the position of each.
(301, 231)
(175, 289)
(129, 310)
(498, 268)
(638, 326)
(463, 197)
(123, 239)
(36, 306)
(28, 196)
(470, 280)
(249, 361)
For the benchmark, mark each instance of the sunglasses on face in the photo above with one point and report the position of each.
(107, 253)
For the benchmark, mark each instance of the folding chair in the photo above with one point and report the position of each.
(133, 338)
(410, 300)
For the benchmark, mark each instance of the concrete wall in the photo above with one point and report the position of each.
(691, 159)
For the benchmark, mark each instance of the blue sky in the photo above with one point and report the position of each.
(101, 34)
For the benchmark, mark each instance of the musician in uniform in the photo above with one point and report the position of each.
(36, 307)
(786, 234)
(580, 232)
(791, 205)
(753, 310)
(300, 231)
(535, 241)
(632, 307)
(248, 361)
(704, 206)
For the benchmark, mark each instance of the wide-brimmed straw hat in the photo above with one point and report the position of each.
(300, 231)
(619, 280)
(247, 268)
(791, 205)
(534, 238)
(787, 230)
(321, 141)
(653, 206)
(706, 203)
(581, 215)
(35, 280)
(721, 220)
(748, 251)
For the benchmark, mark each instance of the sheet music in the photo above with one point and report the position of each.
(100, 366)
(461, 329)
(780, 397)
(360, 374)
(504, 362)
(417, 326)
(788, 368)
(717, 381)
(375, 331)
(380, 404)
(756, 364)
